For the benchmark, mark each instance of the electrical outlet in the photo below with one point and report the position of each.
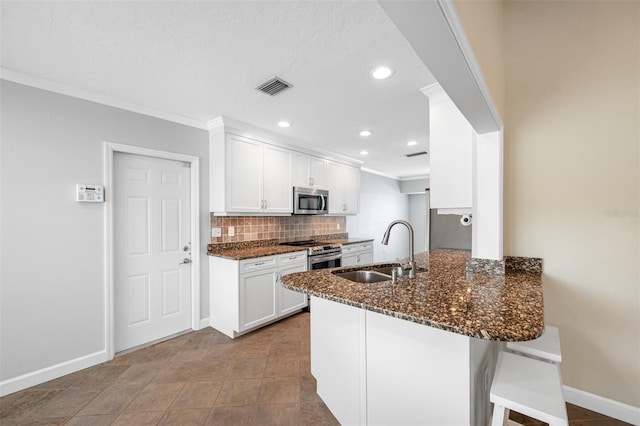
(338, 225)
(232, 231)
(216, 232)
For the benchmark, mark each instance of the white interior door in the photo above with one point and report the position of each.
(152, 288)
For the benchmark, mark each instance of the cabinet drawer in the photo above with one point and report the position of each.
(296, 257)
(350, 248)
(257, 264)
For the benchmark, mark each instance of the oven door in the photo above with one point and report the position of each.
(332, 260)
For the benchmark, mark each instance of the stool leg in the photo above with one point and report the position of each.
(500, 416)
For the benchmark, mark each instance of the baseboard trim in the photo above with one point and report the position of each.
(608, 407)
(49, 373)
(205, 322)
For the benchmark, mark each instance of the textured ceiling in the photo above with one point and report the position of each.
(201, 60)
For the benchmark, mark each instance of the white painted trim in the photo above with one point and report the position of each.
(204, 323)
(608, 407)
(451, 15)
(435, 93)
(418, 177)
(52, 86)
(53, 372)
(375, 172)
(110, 149)
(240, 128)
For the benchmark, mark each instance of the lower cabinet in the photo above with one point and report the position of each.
(246, 294)
(389, 371)
(357, 254)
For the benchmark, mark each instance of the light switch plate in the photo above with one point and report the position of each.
(232, 231)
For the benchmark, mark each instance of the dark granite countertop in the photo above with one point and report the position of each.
(260, 248)
(506, 307)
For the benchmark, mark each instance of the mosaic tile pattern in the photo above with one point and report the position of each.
(443, 295)
(251, 228)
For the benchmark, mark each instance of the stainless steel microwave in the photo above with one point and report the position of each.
(310, 201)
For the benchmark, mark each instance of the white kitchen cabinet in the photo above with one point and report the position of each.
(289, 300)
(451, 139)
(391, 371)
(309, 171)
(258, 294)
(244, 177)
(246, 294)
(277, 188)
(257, 178)
(357, 254)
(343, 183)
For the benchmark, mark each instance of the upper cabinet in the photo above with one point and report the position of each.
(252, 172)
(343, 183)
(257, 178)
(309, 171)
(451, 140)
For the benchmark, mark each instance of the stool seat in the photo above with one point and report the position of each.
(528, 386)
(545, 347)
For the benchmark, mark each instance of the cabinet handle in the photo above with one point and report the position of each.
(265, 204)
(259, 263)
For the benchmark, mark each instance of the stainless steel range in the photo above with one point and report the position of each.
(320, 255)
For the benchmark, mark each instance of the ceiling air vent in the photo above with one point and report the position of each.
(415, 154)
(273, 86)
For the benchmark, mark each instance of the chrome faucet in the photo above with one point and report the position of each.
(385, 240)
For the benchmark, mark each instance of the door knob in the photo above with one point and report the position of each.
(185, 261)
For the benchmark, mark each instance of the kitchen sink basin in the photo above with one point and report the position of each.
(363, 276)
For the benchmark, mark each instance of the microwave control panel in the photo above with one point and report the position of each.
(90, 193)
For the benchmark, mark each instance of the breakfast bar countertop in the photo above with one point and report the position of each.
(505, 306)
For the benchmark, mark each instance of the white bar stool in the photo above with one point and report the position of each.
(546, 347)
(528, 386)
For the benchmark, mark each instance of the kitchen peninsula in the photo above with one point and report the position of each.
(422, 350)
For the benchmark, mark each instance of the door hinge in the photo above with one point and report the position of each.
(187, 165)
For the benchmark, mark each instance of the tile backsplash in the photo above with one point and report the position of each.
(251, 228)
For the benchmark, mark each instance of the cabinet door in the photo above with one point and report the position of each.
(335, 185)
(350, 259)
(278, 191)
(351, 189)
(451, 146)
(318, 172)
(244, 175)
(300, 170)
(257, 298)
(291, 301)
(365, 257)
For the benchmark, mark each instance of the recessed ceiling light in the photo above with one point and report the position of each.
(284, 124)
(366, 133)
(412, 143)
(364, 152)
(380, 73)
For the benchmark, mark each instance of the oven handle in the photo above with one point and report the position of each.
(317, 259)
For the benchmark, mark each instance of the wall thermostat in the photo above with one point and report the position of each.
(90, 193)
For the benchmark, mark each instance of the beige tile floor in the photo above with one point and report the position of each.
(200, 378)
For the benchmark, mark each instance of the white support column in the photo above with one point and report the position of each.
(487, 196)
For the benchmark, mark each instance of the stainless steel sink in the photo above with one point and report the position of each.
(363, 276)
(387, 270)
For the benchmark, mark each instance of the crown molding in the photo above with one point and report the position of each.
(62, 89)
(435, 93)
(241, 128)
(417, 177)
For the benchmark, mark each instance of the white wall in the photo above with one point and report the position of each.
(381, 202)
(52, 248)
